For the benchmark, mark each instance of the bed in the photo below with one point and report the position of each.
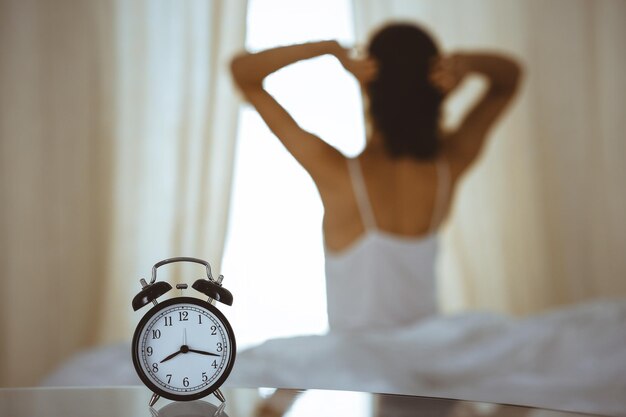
(569, 359)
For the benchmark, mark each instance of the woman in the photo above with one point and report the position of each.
(382, 208)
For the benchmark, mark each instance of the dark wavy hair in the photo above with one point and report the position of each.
(404, 105)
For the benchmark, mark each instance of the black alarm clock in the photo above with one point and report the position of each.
(183, 348)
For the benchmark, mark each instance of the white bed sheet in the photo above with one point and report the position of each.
(570, 359)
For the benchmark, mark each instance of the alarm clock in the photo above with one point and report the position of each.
(183, 348)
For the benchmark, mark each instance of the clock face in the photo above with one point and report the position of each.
(183, 348)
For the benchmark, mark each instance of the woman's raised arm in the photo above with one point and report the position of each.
(503, 76)
(250, 69)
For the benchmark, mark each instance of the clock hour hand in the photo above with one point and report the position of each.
(183, 348)
(202, 352)
(167, 358)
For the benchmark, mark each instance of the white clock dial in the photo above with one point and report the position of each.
(183, 348)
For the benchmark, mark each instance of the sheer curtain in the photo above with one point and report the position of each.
(176, 126)
(117, 127)
(541, 220)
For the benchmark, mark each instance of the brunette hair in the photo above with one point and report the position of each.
(404, 105)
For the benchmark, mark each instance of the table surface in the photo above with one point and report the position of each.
(246, 402)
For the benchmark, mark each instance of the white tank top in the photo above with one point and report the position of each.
(384, 280)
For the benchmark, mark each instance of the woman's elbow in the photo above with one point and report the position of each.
(242, 72)
(515, 72)
(237, 68)
(511, 78)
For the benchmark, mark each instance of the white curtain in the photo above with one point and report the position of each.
(117, 127)
(541, 220)
(176, 126)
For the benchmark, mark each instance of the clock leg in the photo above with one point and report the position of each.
(154, 399)
(219, 395)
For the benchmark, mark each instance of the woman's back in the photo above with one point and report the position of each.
(385, 277)
(402, 197)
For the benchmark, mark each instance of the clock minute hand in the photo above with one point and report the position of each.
(202, 352)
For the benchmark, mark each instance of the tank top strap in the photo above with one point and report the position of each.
(443, 193)
(360, 193)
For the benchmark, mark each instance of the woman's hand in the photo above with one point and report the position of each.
(447, 72)
(363, 69)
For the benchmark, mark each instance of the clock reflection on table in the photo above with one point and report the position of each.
(247, 402)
